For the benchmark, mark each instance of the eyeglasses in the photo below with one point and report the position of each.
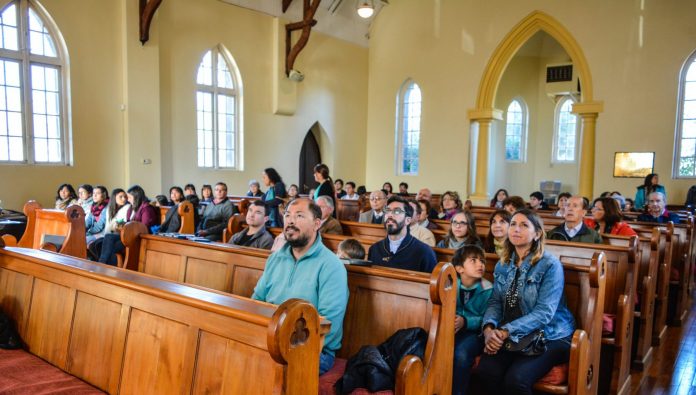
(376, 199)
(395, 211)
(458, 224)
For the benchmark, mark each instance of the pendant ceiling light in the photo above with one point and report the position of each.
(365, 8)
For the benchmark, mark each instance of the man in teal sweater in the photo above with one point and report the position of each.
(304, 268)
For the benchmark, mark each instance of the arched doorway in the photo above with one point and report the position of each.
(485, 114)
(310, 155)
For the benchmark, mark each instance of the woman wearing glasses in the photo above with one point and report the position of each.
(462, 232)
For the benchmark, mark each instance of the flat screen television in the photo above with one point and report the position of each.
(633, 164)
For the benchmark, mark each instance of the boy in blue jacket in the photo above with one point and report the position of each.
(473, 292)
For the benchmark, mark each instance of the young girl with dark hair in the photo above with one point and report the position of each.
(95, 222)
(498, 224)
(65, 196)
(140, 211)
(462, 232)
(326, 186)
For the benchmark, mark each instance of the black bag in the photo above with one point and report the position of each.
(530, 345)
(9, 338)
(375, 368)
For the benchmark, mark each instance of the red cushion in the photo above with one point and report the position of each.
(328, 379)
(24, 373)
(608, 324)
(558, 375)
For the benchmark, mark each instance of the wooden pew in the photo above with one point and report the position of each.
(681, 268)
(647, 282)
(348, 210)
(185, 211)
(242, 202)
(155, 336)
(381, 300)
(68, 224)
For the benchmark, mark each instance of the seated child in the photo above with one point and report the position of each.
(472, 299)
(351, 249)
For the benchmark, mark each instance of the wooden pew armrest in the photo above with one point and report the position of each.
(580, 366)
(9, 240)
(623, 329)
(408, 377)
(130, 237)
(647, 301)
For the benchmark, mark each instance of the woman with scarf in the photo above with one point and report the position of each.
(95, 222)
(65, 196)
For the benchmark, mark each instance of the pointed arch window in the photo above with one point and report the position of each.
(565, 132)
(34, 106)
(516, 131)
(219, 111)
(685, 156)
(408, 128)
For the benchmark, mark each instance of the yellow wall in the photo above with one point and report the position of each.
(91, 31)
(155, 83)
(445, 44)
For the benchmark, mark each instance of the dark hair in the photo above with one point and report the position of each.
(161, 200)
(391, 188)
(403, 184)
(138, 196)
(361, 190)
(605, 194)
(313, 208)
(468, 251)
(351, 183)
(113, 206)
(190, 186)
(471, 236)
(221, 183)
(456, 198)
(178, 189)
(260, 203)
(427, 204)
(324, 171)
(86, 187)
(272, 175)
(489, 242)
(537, 194)
(103, 190)
(71, 190)
(495, 197)
(612, 212)
(194, 199)
(399, 199)
(537, 245)
(339, 180)
(647, 186)
(566, 195)
(418, 207)
(633, 204)
(516, 202)
(208, 187)
(585, 203)
(352, 248)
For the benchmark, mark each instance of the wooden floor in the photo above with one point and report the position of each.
(673, 370)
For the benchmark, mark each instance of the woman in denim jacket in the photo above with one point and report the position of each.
(527, 297)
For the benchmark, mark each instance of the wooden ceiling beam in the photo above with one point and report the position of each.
(147, 12)
(309, 8)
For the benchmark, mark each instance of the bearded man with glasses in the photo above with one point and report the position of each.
(399, 249)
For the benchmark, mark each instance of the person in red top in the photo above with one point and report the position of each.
(606, 218)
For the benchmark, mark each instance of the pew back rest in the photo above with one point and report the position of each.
(153, 335)
(185, 211)
(42, 224)
(348, 210)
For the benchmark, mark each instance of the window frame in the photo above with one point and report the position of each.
(679, 123)
(26, 59)
(525, 127)
(237, 92)
(557, 131)
(400, 117)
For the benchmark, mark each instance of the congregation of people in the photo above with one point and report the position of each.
(494, 320)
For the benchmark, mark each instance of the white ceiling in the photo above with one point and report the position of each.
(336, 18)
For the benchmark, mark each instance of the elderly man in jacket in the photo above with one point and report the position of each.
(574, 228)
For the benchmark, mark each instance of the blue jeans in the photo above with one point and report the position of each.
(467, 345)
(326, 362)
(512, 373)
